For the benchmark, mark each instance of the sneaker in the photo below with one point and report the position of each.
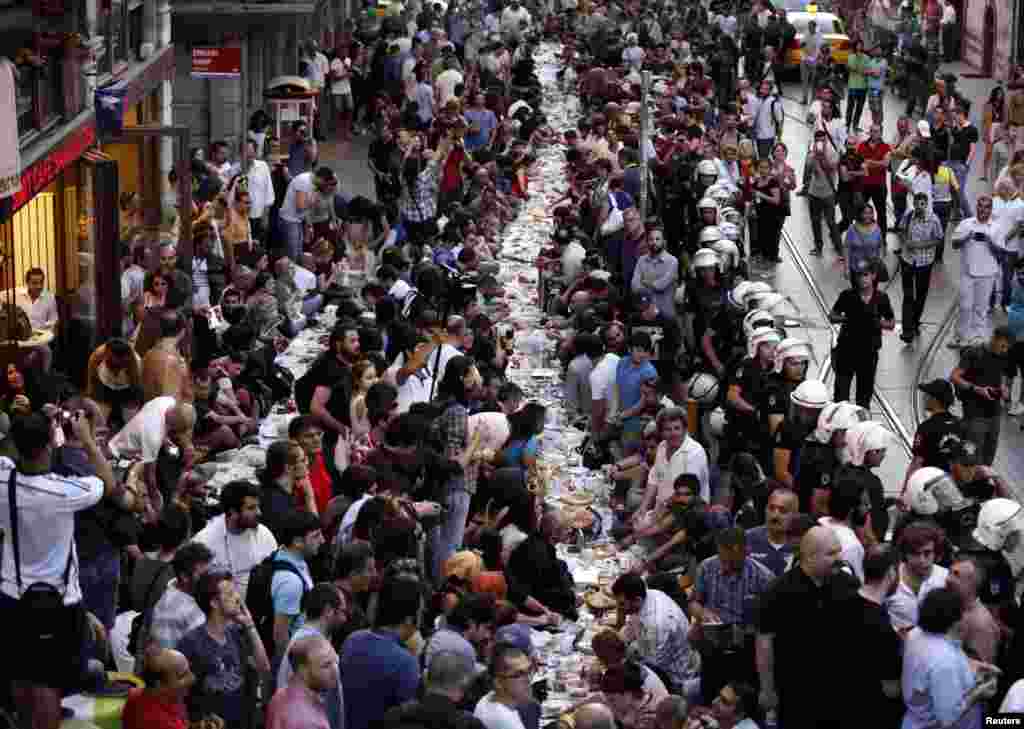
(906, 336)
(816, 251)
(1016, 409)
(955, 343)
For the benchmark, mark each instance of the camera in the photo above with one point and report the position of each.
(978, 235)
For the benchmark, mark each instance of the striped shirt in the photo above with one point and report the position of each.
(732, 595)
(914, 228)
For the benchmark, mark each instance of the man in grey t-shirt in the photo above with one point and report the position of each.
(821, 190)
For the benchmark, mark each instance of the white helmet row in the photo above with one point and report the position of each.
(998, 519)
(709, 234)
(706, 258)
(792, 348)
(740, 294)
(727, 251)
(931, 490)
(864, 437)
(762, 336)
(732, 216)
(838, 416)
(729, 231)
(757, 320)
(703, 388)
(721, 194)
(766, 301)
(707, 167)
(811, 394)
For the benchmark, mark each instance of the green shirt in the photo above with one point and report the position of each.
(855, 64)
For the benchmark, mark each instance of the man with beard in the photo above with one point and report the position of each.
(326, 390)
(800, 607)
(768, 543)
(871, 641)
(179, 291)
(766, 119)
(326, 611)
(236, 538)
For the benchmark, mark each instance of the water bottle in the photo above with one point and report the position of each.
(580, 541)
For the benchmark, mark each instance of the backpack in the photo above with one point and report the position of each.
(258, 598)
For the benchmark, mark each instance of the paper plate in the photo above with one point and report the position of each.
(577, 499)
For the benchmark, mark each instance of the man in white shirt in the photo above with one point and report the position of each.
(261, 191)
(237, 539)
(515, 21)
(812, 44)
(948, 28)
(919, 544)
(162, 422)
(766, 118)
(298, 199)
(677, 454)
(44, 662)
(978, 239)
(604, 395)
(40, 305)
(512, 671)
(448, 79)
(341, 94)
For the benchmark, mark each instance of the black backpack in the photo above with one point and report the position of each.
(259, 600)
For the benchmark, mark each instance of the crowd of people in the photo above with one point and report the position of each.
(397, 556)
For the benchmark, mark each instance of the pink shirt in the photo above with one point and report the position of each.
(296, 707)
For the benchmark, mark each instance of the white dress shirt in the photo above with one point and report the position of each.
(690, 457)
(903, 604)
(976, 256)
(42, 312)
(261, 188)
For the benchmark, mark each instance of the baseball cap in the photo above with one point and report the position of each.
(924, 129)
(940, 389)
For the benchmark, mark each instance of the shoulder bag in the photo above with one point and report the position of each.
(40, 604)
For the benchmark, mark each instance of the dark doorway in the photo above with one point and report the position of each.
(988, 50)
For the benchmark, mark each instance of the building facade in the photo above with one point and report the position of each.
(65, 218)
(269, 35)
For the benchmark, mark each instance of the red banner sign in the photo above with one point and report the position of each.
(43, 172)
(219, 62)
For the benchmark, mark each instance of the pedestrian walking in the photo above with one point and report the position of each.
(920, 233)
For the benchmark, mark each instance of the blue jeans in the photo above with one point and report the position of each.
(960, 170)
(447, 537)
(291, 238)
(99, 578)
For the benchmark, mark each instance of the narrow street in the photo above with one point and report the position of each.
(812, 285)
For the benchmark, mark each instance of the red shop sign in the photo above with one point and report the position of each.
(43, 172)
(217, 62)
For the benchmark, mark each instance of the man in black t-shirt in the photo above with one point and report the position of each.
(872, 660)
(979, 379)
(799, 611)
(961, 154)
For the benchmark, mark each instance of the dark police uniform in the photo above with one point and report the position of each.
(937, 438)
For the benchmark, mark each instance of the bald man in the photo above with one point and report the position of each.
(161, 705)
(179, 289)
(163, 424)
(594, 716)
(535, 572)
(299, 704)
(797, 612)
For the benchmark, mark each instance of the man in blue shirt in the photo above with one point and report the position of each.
(301, 539)
(768, 543)
(631, 373)
(377, 670)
